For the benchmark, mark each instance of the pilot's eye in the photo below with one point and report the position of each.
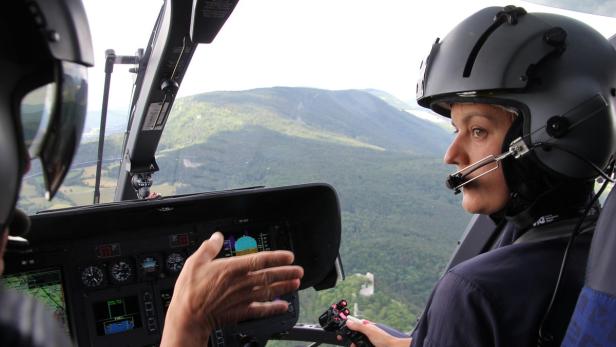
(478, 132)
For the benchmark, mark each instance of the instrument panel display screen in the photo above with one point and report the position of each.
(117, 315)
(240, 244)
(46, 286)
(253, 239)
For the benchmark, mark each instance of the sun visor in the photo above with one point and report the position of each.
(208, 17)
(497, 57)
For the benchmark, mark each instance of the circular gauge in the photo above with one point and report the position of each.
(92, 276)
(121, 271)
(149, 265)
(175, 262)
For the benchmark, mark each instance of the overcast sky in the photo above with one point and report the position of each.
(330, 44)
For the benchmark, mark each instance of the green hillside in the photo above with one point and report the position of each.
(350, 117)
(399, 222)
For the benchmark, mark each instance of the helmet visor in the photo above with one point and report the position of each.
(52, 118)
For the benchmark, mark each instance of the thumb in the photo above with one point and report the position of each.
(365, 327)
(357, 326)
(211, 247)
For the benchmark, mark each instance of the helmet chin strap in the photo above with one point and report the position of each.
(459, 179)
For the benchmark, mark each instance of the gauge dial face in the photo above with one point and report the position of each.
(121, 271)
(92, 276)
(175, 262)
(149, 265)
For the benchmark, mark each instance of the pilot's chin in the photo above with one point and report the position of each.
(470, 208)
(471, 203)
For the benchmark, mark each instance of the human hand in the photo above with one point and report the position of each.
(377, 336)
(210, 292)
(153, 196)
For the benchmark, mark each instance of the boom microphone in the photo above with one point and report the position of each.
(454, 181)
(457, 180)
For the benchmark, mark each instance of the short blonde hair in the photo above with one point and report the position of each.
(514, 112)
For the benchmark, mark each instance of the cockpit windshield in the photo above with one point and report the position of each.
(293, 92)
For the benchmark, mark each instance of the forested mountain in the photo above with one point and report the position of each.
(399, 222)
(357, 116)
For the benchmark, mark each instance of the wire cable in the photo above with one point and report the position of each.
(545, 337)
(547, 146)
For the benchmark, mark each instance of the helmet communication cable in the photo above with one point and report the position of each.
(545, 337)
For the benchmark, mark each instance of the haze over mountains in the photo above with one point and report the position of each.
(399, 222)
(354, 114)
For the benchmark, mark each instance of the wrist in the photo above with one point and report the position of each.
(184, 330)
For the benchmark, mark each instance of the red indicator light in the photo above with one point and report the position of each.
(179, 240)
(108, 250)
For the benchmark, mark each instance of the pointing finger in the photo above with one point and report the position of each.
(267, 293)
(262, 309)
(271, 275)
(210, 248)
(262, 260)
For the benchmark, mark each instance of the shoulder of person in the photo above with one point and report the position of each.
(24, 321)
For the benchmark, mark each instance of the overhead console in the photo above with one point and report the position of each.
(108, 271)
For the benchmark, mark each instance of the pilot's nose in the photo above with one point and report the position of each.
(455, 154)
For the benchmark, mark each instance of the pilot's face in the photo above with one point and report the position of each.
(480, 131)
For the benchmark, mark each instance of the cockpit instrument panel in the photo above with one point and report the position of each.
(107, 272)
(46, 286)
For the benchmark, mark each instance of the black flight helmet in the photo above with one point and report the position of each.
(559, 74)
(46, 48)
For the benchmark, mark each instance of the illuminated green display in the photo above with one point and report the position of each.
(46, 286)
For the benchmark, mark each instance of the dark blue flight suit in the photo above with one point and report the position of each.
(499, 298)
